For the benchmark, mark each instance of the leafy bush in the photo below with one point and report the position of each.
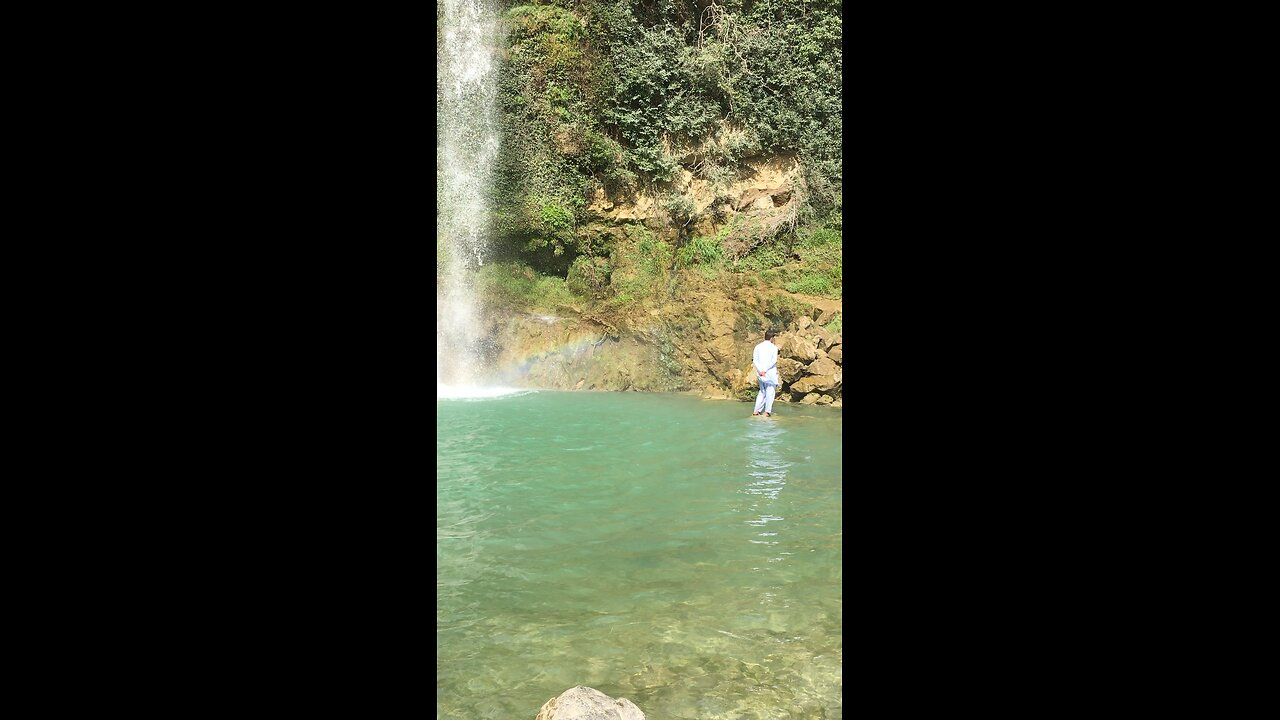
(678, 206)
(555, 216)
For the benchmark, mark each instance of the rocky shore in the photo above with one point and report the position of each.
(701, 346)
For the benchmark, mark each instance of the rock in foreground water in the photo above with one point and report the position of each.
(584, 703)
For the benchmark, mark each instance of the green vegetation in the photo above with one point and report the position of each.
(518, 285)
(808, 262)
(702, 251)
(640, 274)
(610, 98)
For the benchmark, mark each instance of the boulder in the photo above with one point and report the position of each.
(804, 323)
(836, 353)
(734, 378)
(825, 400)
(584, 703)
(789, 370)
(810, 383)
(822, 366)
(810, 399)
(795, 347)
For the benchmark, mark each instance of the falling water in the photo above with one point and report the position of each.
(466, 145)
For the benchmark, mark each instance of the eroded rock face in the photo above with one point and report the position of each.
(722, 348)
(707, 351)
(585, 703)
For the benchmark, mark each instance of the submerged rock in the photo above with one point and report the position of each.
(585, 703)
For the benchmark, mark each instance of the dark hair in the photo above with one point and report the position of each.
(770, 334)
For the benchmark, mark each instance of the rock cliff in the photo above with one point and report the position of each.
(702, 345)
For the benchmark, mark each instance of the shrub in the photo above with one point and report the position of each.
(555, 216)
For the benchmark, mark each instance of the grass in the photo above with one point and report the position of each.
(518, 284)
(811, 283)
(818, 272)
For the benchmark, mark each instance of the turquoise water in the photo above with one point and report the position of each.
(670, 550)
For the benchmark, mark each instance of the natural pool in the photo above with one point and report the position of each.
(674, 551)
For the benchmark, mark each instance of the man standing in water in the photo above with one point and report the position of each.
(765, 360)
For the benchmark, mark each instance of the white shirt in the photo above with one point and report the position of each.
(765, 359)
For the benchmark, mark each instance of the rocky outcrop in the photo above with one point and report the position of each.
(702, 345)
(807, 374)
(584, 703)
(766, 194)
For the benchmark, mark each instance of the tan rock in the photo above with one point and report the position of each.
(825, 400)
(836, 353)
(789, 370)
(585, 703)
(715, 392)
(804, 385)
(793, 346)
(824, 337)
(722, 348)
(804, 323)
(822, 366)
(811, 383)
(810, 399)
(720, 321)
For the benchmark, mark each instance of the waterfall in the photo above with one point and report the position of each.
(466, 147)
